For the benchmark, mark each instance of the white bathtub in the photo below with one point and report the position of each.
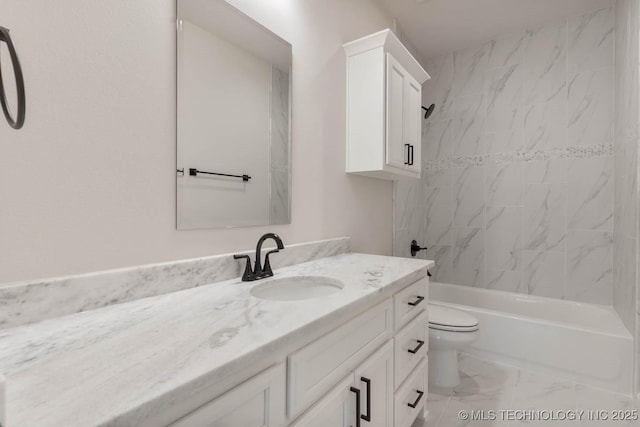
(584, 343)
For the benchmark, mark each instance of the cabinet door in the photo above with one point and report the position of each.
(412, 122)
(397, 153)
(374, 379)
(335, 409)
(258, 402)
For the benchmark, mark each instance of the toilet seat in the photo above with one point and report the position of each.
(449, 319)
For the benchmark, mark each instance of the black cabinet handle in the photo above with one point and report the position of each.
(357, 392)
(414, 404)
(410, 155)
(416, 302)
(367, 417)
(406, 162)
(418, 347)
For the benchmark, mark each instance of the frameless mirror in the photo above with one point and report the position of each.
(233, 119)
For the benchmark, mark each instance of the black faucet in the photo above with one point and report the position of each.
(258, 271)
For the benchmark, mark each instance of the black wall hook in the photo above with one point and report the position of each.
(18, 121)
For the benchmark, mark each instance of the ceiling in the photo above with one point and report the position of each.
(436, 27)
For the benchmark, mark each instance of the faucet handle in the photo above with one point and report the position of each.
(248, 275)
(267, 265)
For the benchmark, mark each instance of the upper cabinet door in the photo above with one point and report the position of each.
(397, 152)
(412, 123)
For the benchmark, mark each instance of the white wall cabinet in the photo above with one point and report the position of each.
(384, 99)
(376, 357)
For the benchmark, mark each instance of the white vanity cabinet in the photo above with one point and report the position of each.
(393, 377)
(378, 357)
(384, 100)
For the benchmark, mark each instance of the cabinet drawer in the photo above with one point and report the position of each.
(258, 402)
(409, 302)
(411, 345)
(314, 369)
(410, 399)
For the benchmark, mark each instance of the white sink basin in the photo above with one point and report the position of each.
(297, 288)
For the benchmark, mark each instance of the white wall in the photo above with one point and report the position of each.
(89, 182)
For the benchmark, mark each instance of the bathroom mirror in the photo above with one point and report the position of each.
(233, 119)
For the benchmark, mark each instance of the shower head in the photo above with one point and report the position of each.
(428, 111)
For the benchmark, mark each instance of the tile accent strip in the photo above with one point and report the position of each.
(573, 152)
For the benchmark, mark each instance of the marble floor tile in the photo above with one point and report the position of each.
(595, 400)
(494, 390)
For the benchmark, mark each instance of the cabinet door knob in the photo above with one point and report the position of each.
(415, 403)
(367, 417)
(418, 347)
(406, 162)
(357, 392)
(410, 155)
(418, 300)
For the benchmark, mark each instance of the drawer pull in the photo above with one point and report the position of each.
(414, 404)
(418, 347)
(357, 392)
(416, 302)
(367, 417)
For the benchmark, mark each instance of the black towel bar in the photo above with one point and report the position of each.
(195, 172)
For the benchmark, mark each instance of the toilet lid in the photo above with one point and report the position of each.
(449, 319)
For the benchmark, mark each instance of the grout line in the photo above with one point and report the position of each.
(565, 183)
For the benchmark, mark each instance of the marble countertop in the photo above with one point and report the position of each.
(131, 364)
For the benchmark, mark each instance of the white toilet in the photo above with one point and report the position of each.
(449, 331)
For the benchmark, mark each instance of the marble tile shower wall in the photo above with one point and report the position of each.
(517, 187)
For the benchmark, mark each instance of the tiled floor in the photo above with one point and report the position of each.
(499, 391)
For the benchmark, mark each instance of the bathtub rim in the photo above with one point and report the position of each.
(621, 330)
